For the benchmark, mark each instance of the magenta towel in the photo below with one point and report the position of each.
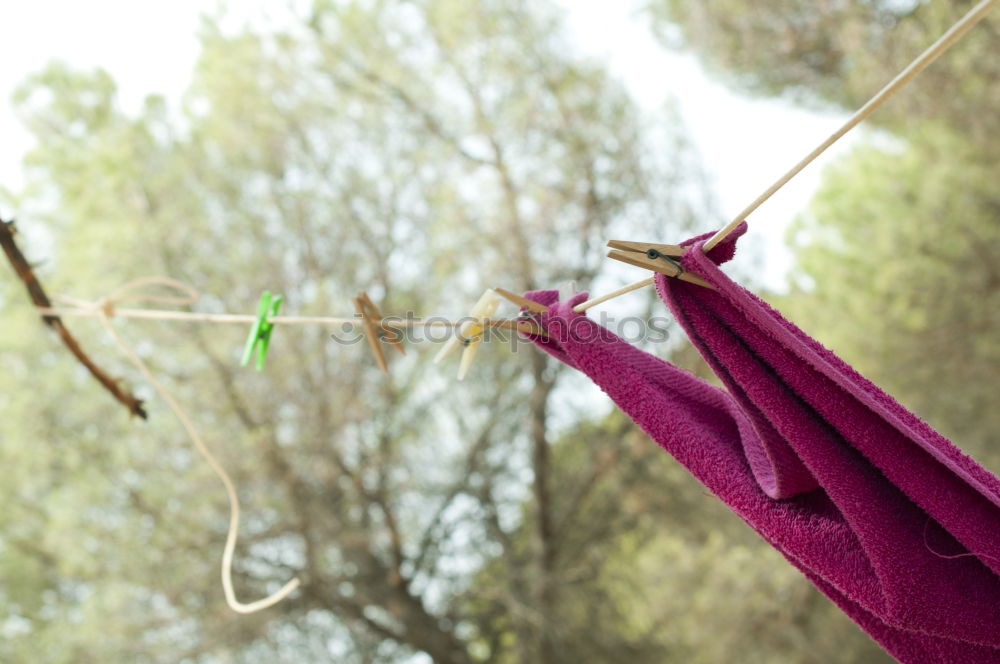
(884, 515)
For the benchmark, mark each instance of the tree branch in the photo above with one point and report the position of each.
(428, 541)
(38, 296)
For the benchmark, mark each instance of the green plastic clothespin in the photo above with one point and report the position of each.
(261, 330)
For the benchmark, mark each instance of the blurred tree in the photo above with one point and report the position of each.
(842, 52)
(415, 149)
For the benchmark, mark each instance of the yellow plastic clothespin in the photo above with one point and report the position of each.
(470, 333)
(376, 330)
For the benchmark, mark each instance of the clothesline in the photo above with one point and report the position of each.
(103, 309)
(166, 314)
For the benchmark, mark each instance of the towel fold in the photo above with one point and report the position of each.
(879, 511)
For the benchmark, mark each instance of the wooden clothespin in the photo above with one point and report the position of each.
(376, 330)
(470, 333)
(530, 305)
(662, 258)
(526, 322)
(527, 326)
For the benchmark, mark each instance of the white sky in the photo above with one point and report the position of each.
(151, 47)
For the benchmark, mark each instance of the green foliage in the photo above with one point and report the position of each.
(842, 53)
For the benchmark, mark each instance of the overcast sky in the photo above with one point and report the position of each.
(151, 47)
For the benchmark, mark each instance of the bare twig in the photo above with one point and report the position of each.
(38, 296)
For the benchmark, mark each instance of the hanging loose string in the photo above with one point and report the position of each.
(104, 309)
(952, 556)
(974, 16)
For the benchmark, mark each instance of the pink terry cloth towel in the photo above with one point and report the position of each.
(883, 514)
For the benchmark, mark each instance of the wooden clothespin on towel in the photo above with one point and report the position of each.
(662, 258)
